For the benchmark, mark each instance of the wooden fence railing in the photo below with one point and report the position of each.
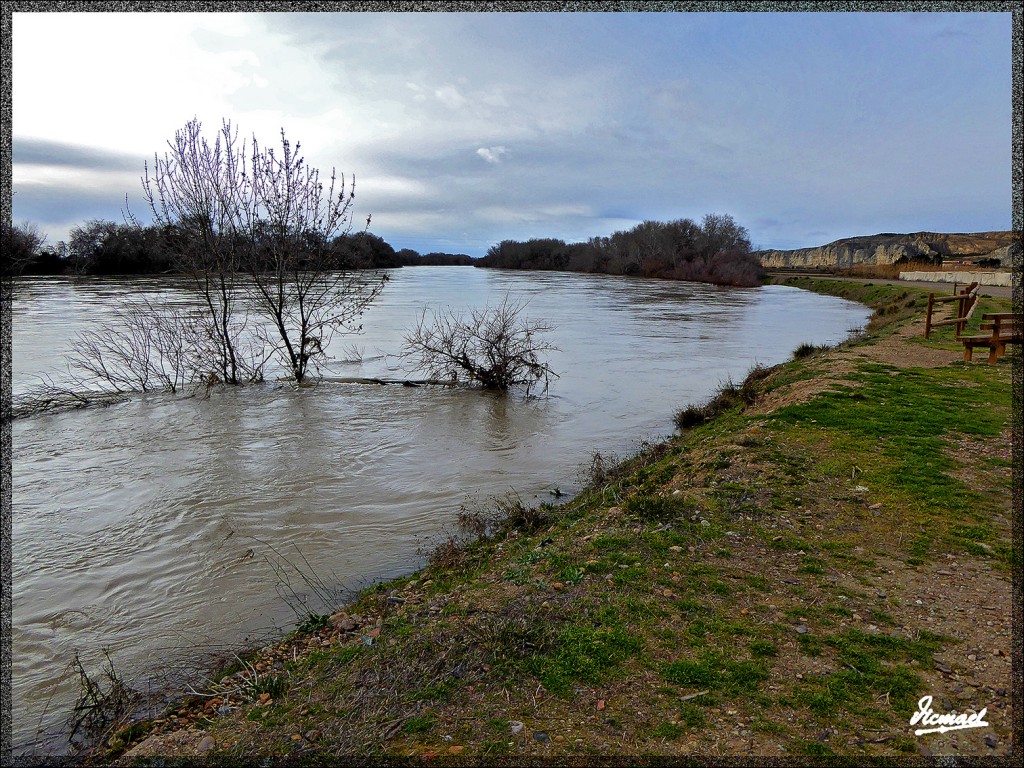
(967, 302)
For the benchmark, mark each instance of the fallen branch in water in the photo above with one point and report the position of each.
(402, 382)
(49, 397)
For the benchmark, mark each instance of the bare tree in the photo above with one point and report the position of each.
(193, 194)
(21, 245)
(254, 229)
(493, 347)
(290, 220)
(146, 348)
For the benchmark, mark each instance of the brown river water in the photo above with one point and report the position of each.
(164, 529)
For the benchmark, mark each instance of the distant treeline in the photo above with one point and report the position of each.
(716, 251)
(101, 247)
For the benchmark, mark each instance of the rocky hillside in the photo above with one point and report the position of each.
(992, 247)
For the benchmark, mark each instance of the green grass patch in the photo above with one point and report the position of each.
(659, 508)
(760, 583)
(811, 565)
(669, 731)
(763, 648)
(582, 653)
(715, 672)
(692, 715)
(419, 724)
(869, 666)
(437, 692)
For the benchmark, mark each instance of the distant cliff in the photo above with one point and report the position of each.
(990, 247)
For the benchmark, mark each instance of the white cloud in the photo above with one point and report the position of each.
(449, 96)
(133, 80)
(492, 154)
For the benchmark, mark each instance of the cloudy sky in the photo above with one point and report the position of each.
(466, 129)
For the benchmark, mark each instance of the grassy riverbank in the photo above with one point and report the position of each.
(787, 578)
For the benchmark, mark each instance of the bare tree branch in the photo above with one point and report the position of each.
(255, 230)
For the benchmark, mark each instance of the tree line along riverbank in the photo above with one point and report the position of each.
(717, 250)
(788, 577)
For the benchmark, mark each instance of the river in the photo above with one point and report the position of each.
(164, 528)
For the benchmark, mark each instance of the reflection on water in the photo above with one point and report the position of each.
(163, 525)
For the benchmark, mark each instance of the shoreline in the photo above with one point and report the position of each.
(500, 588)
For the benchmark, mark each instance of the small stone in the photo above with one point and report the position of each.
(206, 744)
(515, 725)
(558, 586)
(600, 705)
(744, 612)
(541, 737)
(991, 741)
(296, 737)
(559, 738)
(802, 629)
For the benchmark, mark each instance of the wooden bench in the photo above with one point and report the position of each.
(1003, 327)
